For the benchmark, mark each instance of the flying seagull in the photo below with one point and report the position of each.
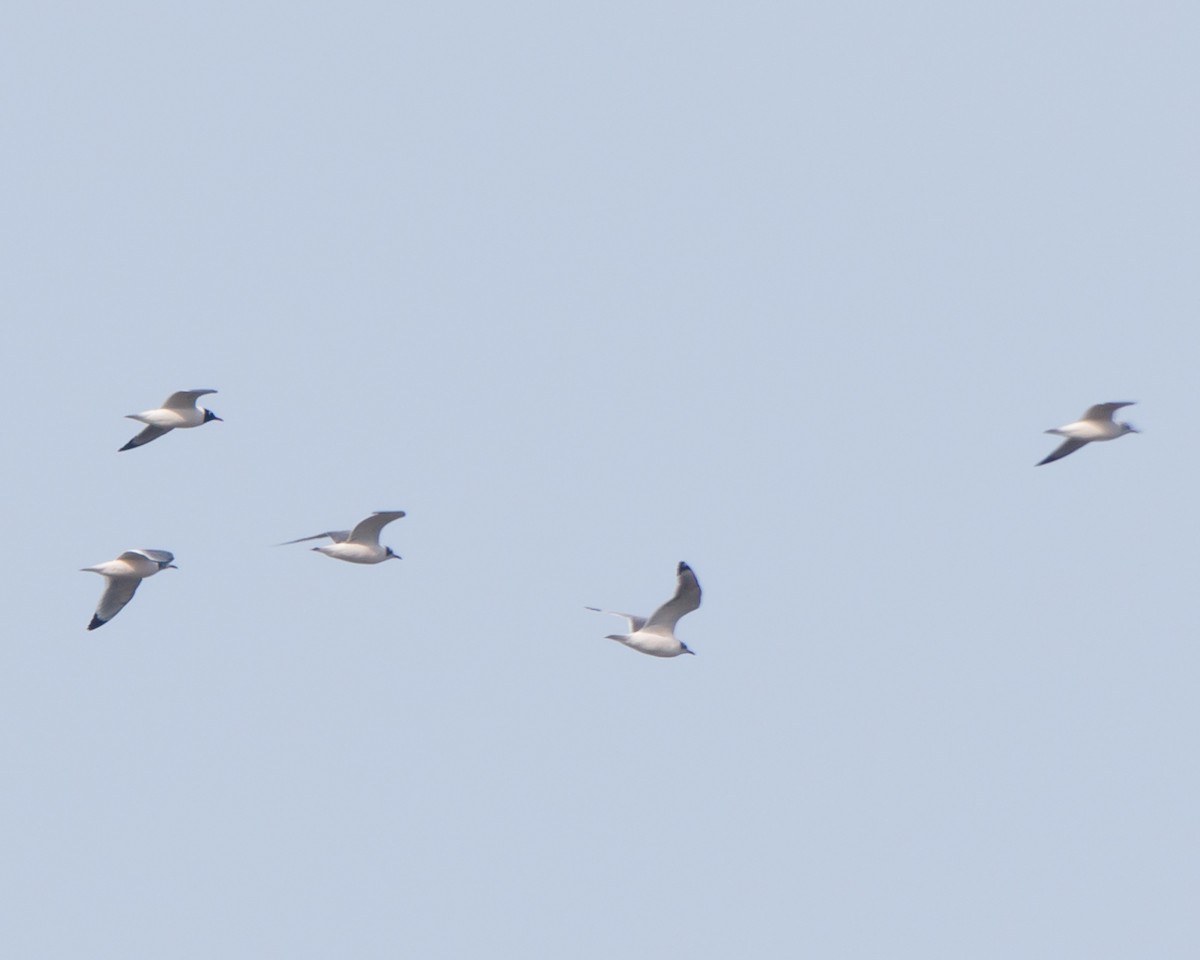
(1096, 424)
(656, 635)
(122, 577)
(178, 411)
(360, 545)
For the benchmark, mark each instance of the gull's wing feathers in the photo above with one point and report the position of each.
(1105, 411)
(157, 556)
(118, 591)
(635, 622)
(184, 399)
(367, 531)
(686, 599)
(150, 433)
(337, 536)
(1067, 447)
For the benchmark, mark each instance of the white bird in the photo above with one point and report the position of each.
(360, 545)
(656, 635)
(123, 576)
(1095, 424)
(178, 411)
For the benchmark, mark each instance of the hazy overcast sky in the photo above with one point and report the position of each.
(788, 291)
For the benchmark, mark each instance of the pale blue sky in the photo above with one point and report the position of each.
(786, 291)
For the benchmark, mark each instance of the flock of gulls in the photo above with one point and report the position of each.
(653, 635)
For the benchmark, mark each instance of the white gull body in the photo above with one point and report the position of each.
(178, 412)
(655, 635)
(360, 545)
(123, 576)
(1096, 424)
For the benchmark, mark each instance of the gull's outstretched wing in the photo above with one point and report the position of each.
(184, 399)
(118, 591)
(635, 622)
(686, 599)
(337, 536)
(150, 433)
(1067, 447)
(1104, 411)
(157, 556)
(367, 531)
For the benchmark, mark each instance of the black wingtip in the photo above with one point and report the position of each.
(129, 446)
(96, 622)
(682, 566)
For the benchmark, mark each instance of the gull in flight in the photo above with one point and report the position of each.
(179, 410)
(656, 635)
(1096, 424)
(360, 545)
(122, 577)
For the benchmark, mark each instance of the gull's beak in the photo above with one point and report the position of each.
(215, 417)
(170, 566)
(688, 650)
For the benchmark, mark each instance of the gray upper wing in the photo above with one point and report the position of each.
(184, 399)
(686, 599)
(367, 531)
(158, 556)
(118, 591)
(635, 622)
(150, 433)
(1068, 446)
(1105, 411)
(337, 536)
